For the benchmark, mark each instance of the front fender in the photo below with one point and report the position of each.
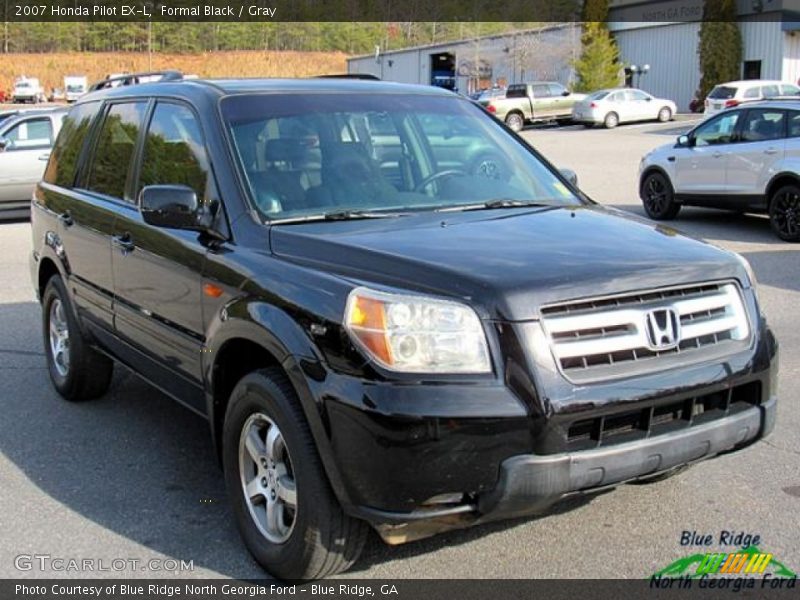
(279, 334)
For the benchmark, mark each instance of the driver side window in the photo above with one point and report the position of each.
(718, 130)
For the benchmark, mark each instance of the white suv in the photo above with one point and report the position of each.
(744, 159)
(734, 93)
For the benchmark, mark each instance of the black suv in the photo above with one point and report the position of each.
(391, 310)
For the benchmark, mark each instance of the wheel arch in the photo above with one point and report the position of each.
(649, 171)
(778, 181)
(271, 339)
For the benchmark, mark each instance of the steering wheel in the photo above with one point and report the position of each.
(436, 176)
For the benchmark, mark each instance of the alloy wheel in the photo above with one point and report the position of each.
(267, 478)
(59, 337)
(786, 214)
(655, 195)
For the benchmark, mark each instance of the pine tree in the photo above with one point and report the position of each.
(598, 66)
(720, 48)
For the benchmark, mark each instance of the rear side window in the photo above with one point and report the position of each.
(115, 147)
(770, 91)
(722, 92)
(174, 150)
(794, 124)
(787, 89)
(517, 91)
(763, 124)
(64, 159)
(753, 92)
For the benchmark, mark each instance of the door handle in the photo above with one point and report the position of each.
(124, 243)
(66, 219)
(771, 151)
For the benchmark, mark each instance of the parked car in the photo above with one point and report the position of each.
(744, 159)
(733, 93)
(75, 86)
(25, 142)
(528, 102)
(28, 89)
(397, 339)
(489, 94)
(622, 105)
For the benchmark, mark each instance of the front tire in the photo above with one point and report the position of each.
(286, 512)
(658, 197)
(664, 115)
(784, 213)
(78, 371)
(515, 122)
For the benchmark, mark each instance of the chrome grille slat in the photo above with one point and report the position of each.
(599, 339)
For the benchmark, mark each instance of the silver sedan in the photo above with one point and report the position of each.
(25, 143)
(622, 105)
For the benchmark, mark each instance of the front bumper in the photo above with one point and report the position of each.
(529, 483)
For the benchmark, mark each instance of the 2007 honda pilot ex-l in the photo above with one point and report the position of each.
(392, 311)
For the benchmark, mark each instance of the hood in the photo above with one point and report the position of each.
(509, 262)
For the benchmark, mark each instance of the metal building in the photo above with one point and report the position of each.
(645, 36)
(480, 62)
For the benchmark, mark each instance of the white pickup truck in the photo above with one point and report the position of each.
(28, 89)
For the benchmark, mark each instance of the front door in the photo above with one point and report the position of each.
(158, 271)
(700, 169)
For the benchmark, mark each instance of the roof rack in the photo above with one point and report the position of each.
(364, 76)
(134, 78)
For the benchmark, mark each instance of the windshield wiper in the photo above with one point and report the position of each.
(496, 203)
(349, 215)
(338, 215)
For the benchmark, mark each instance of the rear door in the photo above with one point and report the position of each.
(88, 212)
(760, 146)
(158, 271)
(24, 158)
(700, 170)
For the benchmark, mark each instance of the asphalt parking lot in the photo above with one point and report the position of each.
(133, 476)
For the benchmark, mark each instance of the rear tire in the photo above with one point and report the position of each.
(784, 213)
(664, 115)
(78, 371)
(658, 197)
(515, 122)
(270, 458)
(611, 120)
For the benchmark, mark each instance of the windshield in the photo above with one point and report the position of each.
(23, 84)
(319, 154)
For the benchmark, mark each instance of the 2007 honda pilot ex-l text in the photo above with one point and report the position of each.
(392, 311)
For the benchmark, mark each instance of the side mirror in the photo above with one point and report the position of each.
(570, 176)
(173, 206)
(684, 140)
(649, 99)
(565, 93)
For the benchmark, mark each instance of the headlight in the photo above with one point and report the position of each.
(751, 275)
(417, 334)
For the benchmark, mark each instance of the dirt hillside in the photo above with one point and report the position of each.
(51, 68)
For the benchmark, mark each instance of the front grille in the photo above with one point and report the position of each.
(614, 337)
(659, 419)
